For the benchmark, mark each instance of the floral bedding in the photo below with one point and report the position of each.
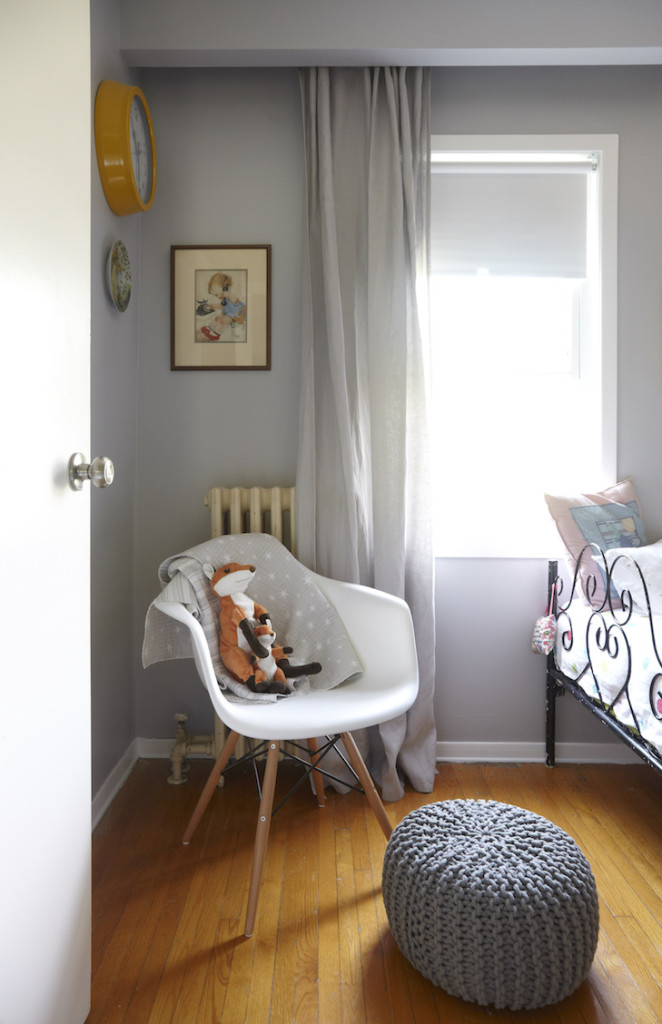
(615, 659)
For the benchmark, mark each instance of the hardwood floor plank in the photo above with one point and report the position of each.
(329, 982)
(397, 971)
(207, 906)
(616, 991)
(144, 886)
(202, 854)
(645, 991)
(627, 893)
(224, 937)
(368, 893)
(247, 989)
(296, 972)
(649, 952)
(637, 818)
(118, 864)
(351, 974)
(189, 956)
(446, 786)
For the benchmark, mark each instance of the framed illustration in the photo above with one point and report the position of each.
(220, 307)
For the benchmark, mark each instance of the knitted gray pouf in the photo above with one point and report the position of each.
(491, 902)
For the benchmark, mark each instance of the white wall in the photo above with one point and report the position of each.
(243, 183)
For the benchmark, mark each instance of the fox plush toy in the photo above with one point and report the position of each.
(267, 664)
(240, 649)
(277, 665)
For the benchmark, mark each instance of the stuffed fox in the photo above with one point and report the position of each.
(276, 664)
(241, 650)
(238, 616)
(267, 664)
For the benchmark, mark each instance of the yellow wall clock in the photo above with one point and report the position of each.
(124, 139)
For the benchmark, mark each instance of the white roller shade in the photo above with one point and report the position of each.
(508, 221)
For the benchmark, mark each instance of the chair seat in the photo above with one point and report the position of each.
(354, 704)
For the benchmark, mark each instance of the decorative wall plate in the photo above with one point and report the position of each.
(118, 275)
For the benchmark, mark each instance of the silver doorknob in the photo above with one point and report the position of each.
(100, 471)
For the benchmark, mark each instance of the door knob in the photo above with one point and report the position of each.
(100, 471)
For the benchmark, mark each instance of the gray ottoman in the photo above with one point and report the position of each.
(491, 902)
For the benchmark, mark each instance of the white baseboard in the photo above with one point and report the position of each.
(139, 748)
(569, 753)
(154, 748)
(108, 790)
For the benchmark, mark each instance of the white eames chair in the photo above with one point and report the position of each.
(381, 631)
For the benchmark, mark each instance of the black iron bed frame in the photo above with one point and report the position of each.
(611, 636)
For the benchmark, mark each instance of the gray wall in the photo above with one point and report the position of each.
(114, 403)
(296, 32)
(230, 171)
(504, 680)
(195, 429)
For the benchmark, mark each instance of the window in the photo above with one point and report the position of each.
(523, 309)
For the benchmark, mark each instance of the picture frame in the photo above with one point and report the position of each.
(220, 307)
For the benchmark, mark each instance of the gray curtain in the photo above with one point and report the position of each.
(363, 477)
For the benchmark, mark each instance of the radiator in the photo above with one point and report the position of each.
(253, 510)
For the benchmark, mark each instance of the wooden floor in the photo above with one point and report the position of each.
(168, 942)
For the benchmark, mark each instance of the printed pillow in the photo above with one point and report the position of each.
(609, 519)
(624, 575)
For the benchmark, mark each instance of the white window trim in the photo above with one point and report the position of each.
(607, 148)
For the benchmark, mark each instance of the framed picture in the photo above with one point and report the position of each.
(220, 317)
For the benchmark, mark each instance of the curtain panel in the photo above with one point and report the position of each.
(363, 475)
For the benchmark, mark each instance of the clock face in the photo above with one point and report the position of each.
(141, 150)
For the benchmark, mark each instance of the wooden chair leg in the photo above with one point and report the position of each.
(210, 785)
(317, 776)
(371, 793)
(262, 834)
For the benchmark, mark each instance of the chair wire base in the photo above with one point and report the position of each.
(257, 752)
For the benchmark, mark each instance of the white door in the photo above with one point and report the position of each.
(45, 120)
